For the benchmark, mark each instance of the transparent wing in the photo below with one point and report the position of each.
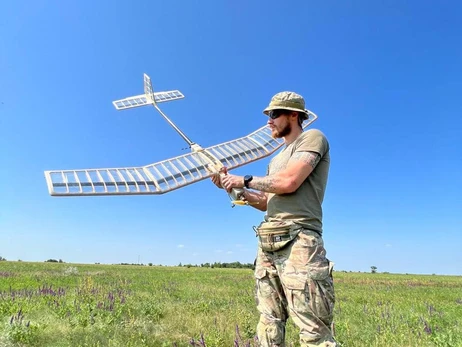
(166, 175)
(157, 178)
(252, 147)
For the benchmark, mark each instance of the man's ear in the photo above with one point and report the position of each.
(299, 120)
(294, 115)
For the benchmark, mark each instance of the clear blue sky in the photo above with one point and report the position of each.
(385, 79)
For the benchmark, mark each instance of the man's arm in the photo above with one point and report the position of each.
(257, 200)
(299, 167)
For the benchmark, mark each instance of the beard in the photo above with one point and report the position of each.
(286, 130)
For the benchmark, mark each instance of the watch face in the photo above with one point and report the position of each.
(247, 179)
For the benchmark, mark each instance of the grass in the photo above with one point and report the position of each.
(59, 304)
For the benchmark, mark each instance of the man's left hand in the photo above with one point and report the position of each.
(232, 181)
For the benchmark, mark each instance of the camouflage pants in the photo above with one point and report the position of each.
(297, 282)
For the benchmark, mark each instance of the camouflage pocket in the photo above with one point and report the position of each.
(321, 291)
(274, 236)
(308, 276)
(260, 273)
(263, 286)
(311, 295)
(320, 270)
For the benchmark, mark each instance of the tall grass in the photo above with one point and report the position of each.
(59, 304)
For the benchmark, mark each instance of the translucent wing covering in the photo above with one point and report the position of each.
(141, 100)
(252, 147)
(155, 178)
(167, 175)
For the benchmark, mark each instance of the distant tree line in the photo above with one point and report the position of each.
(233, 265)
(46, 261)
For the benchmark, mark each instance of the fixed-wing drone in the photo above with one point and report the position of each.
(170, 174)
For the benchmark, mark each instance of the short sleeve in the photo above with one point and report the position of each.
(313, 140)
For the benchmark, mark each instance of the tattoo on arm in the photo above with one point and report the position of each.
(272, 183)
(310, 158)
(264, 184)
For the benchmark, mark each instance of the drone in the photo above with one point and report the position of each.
(170, 174)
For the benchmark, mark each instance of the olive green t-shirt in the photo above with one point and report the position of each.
(304, 205)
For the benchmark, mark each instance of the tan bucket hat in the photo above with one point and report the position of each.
(287, 101)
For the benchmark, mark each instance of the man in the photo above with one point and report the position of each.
(293, 275)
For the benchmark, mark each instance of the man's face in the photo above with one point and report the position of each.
(279, 123)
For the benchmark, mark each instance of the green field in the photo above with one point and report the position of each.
(59, 304)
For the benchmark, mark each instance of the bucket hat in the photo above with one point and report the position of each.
(287, 101)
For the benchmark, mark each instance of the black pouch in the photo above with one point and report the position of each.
(274, 236)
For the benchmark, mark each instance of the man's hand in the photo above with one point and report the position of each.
(232, 181)
(217, 180)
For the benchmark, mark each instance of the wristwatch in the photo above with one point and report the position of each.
(247, 179)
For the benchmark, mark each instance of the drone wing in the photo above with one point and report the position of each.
(166, 175)
(157, 178)
(252, 147)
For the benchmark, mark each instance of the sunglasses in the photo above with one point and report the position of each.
(273, 114)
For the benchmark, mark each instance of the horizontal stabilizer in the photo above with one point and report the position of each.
(141, 100)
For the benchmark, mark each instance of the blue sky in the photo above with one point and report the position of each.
(383, 77)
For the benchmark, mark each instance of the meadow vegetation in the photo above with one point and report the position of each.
(60, 304)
